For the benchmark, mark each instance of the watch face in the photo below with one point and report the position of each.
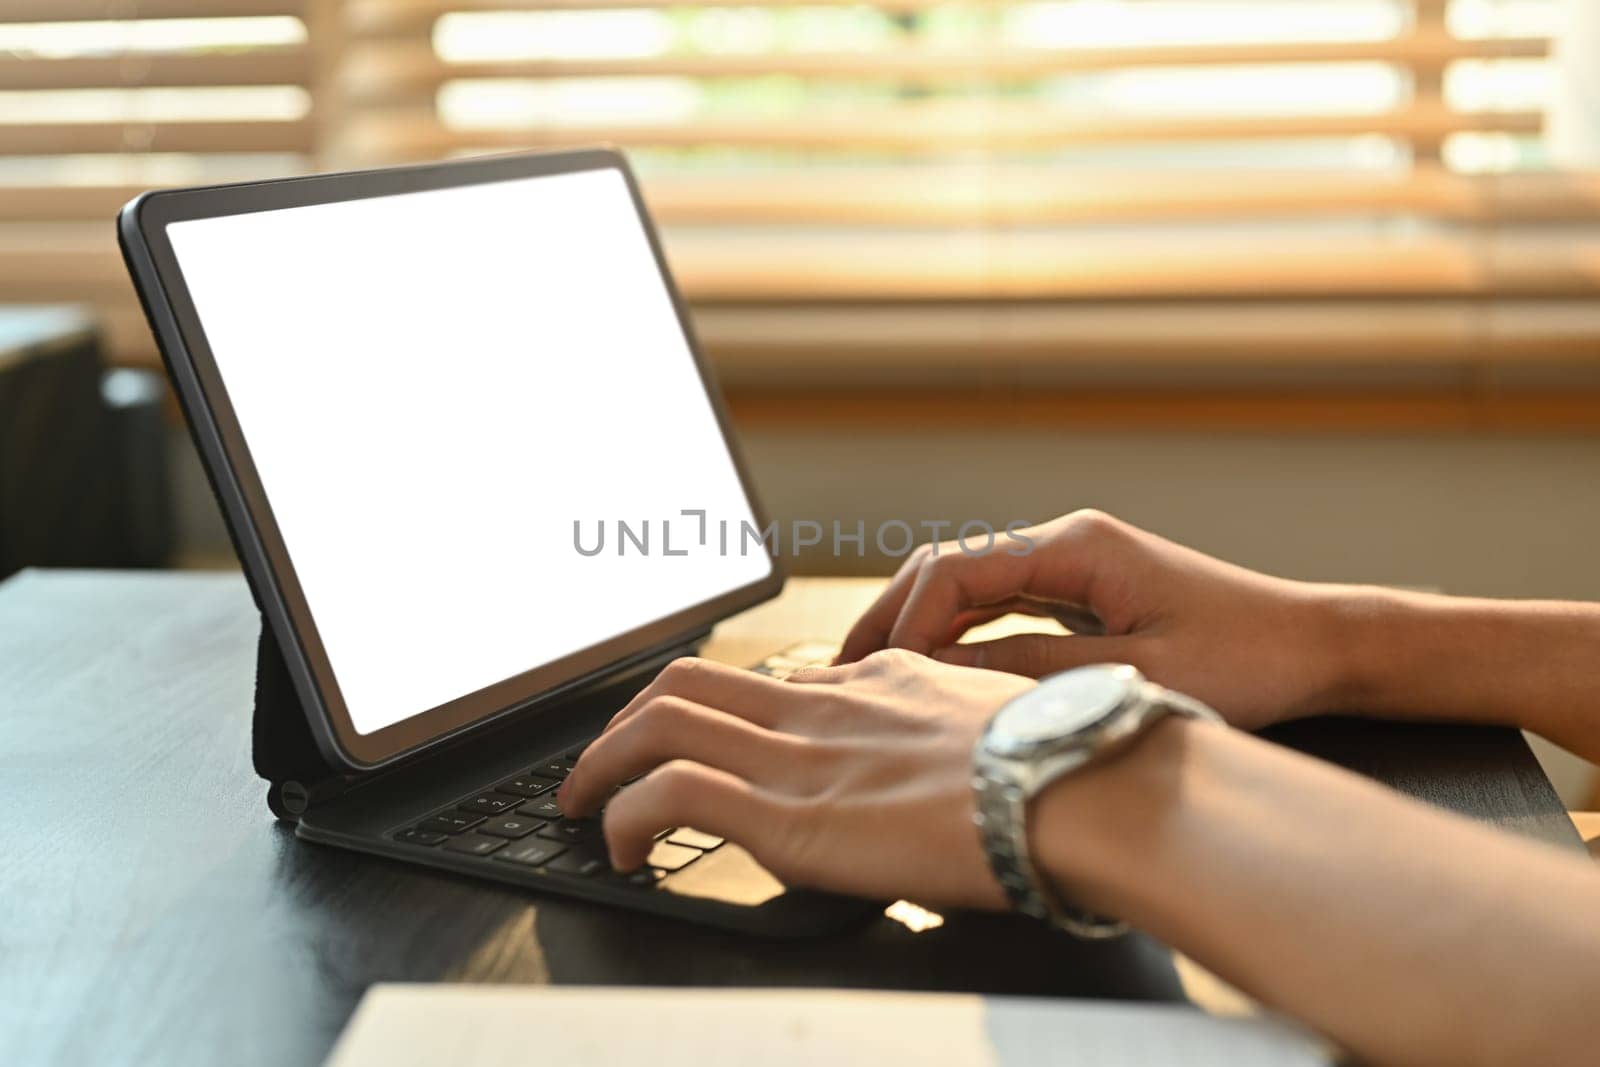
(1061, 706)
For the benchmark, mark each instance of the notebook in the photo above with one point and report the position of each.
(489, 1026)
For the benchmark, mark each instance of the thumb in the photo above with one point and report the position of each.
(1036, 655)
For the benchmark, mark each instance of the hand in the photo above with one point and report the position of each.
(855, 779)
(1256, 648)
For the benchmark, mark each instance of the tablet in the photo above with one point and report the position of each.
(423, 394)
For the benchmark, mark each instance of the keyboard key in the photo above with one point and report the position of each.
(778, 667)
(474, 844)
(418, 836)
(585, 860)
(646, 877)
(571, 831)
(531, 853)
(781, 665)
(671, 857)
(543, 808)
(527, 785)
(694, 839)
(450, 822)
(512, 826)
(488, 804)
(555, 768)
(575, 754)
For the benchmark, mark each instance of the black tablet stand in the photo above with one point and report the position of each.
(281, 745)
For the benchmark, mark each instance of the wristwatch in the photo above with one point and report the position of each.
(1064, 723)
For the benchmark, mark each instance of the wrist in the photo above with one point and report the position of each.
(1359, 636)
(1424, 656)
(1087, 830)
(1373, 639)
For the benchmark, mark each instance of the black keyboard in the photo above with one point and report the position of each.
(519, 822)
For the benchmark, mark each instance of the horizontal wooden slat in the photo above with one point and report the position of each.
(376, 70)
(935, 126)
(837, 341)
(46, 262)
(275, 135)
(98, 10)
(63, 203)
(397, 17)
(846, 344)
(832, 343)
(1043, 341)
(39, 265)
(1016, 196)
(279, 65)
(393, 16)
(1539, 197)
(1277, 411)
(997, 266)
(1035, 266)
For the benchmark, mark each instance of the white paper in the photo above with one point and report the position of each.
(489, 1026)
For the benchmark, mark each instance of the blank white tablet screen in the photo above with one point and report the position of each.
(434, 387)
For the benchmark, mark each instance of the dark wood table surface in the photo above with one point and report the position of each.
(154, 912)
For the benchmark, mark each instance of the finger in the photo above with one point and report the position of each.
(951, 584)
(756, 697)
(1037, 655)
(947, 587)
(684, 793)
(669, 728)
(871, 631)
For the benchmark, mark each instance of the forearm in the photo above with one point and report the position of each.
(1409, 935)
(1533, 664)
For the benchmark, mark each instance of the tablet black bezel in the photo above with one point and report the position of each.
(142, 229)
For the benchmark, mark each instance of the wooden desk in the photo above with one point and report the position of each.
(155, 913)
(1588, 827)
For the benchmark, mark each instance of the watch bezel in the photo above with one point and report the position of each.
(1108, 727)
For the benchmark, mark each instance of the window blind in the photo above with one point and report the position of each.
(917, 184)
(102, 99)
